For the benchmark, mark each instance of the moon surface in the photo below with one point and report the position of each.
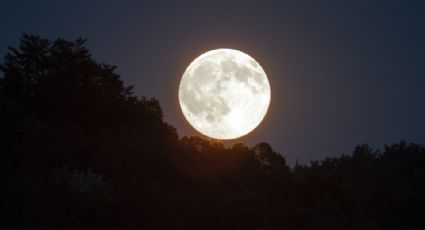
(224, 94)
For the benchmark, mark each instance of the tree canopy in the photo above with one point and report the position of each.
(80, 151)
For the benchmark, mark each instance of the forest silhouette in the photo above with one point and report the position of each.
(80, 151)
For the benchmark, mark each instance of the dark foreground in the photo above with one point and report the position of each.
(79, 151)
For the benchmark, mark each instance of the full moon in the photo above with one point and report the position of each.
(224, 94)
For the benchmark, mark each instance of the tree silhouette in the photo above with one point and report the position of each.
(80, 151)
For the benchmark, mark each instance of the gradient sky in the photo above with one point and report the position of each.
(342, 72)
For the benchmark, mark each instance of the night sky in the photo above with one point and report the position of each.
(342, 72)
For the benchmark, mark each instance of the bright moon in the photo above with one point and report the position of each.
(224, 94)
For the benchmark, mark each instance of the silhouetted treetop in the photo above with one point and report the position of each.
(59, 81)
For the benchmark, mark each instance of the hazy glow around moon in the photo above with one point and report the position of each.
(224, 94)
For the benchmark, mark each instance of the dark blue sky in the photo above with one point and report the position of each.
(342, 72)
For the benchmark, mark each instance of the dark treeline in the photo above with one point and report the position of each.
(79, 151)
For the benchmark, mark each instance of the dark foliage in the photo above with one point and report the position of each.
(79, 151)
